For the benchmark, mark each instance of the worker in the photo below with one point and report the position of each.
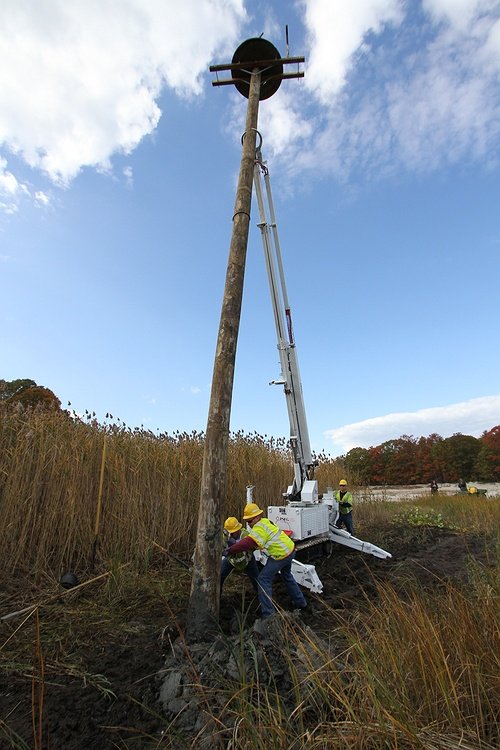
(244, 562)
(280, 549)
(434, 487)
(462, 485)
(344, 499)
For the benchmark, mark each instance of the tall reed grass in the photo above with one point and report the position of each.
(55, 512)
(404, 674)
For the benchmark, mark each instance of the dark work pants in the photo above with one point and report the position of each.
(346, 519)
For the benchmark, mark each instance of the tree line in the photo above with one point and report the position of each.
(408, 460)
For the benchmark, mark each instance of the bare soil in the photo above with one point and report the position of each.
(118, 707)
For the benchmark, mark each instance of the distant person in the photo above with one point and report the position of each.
(462, 485)
(434, 486)
(344, 499)
(244, 562)
(266, 536)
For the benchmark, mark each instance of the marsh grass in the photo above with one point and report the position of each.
(76, 494)
(414, 671)
(50, 468)
(419, 673)
(462, 511)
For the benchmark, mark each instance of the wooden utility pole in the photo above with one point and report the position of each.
(257, 71)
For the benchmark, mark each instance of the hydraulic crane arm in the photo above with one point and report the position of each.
(310, 517)
(290, 375)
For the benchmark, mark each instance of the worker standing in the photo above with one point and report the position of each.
(344, 499)
(266, 536)
(244, 562)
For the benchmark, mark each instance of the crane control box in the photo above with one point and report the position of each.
(304, 522)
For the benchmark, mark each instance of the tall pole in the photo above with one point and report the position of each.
(257, 72)
(203, 611)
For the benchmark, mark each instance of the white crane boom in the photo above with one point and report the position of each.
(309, 517)
(290, 375)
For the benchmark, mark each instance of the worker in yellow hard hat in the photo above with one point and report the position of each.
(244, 562)
(280, 551)
(344, 499)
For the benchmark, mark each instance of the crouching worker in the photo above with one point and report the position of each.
(266, 536)
(244, 562)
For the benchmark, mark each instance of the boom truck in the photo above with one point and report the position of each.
(309, 517)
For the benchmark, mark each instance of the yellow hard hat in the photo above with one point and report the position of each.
(342, 483)
(251, 511)
(232, 525)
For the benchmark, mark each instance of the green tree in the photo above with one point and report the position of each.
(358, 462)
(460, 453)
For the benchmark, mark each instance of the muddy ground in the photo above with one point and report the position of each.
(111, 701)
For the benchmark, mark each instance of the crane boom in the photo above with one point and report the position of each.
(311, 518)
(290, 374)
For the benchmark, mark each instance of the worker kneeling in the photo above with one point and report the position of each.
(244, 562)
(266, 536)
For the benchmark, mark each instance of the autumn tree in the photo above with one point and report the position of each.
(487, 465)
(377, 465)
(433, 465)
(27, 393)
(10, 388)
(36, 397)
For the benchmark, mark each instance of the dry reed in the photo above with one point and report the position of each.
(74, 491)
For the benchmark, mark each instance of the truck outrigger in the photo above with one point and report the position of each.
(310, 517)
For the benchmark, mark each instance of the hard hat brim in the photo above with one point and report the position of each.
(253, 515)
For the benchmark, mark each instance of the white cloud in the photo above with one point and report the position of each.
(128, 173)
(397, 92)
(41, 198)
(458, 13)
(79, 79)
(389, 84)
(468, 417)
(8, 183)
(336, 30)
(12, 191)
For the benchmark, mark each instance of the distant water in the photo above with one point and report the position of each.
(409, 492)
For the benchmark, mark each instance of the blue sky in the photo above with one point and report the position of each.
(118, 167)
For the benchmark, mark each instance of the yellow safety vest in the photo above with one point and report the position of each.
(346, 499)
(271, 539)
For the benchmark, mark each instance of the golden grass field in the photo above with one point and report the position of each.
(397, 654)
